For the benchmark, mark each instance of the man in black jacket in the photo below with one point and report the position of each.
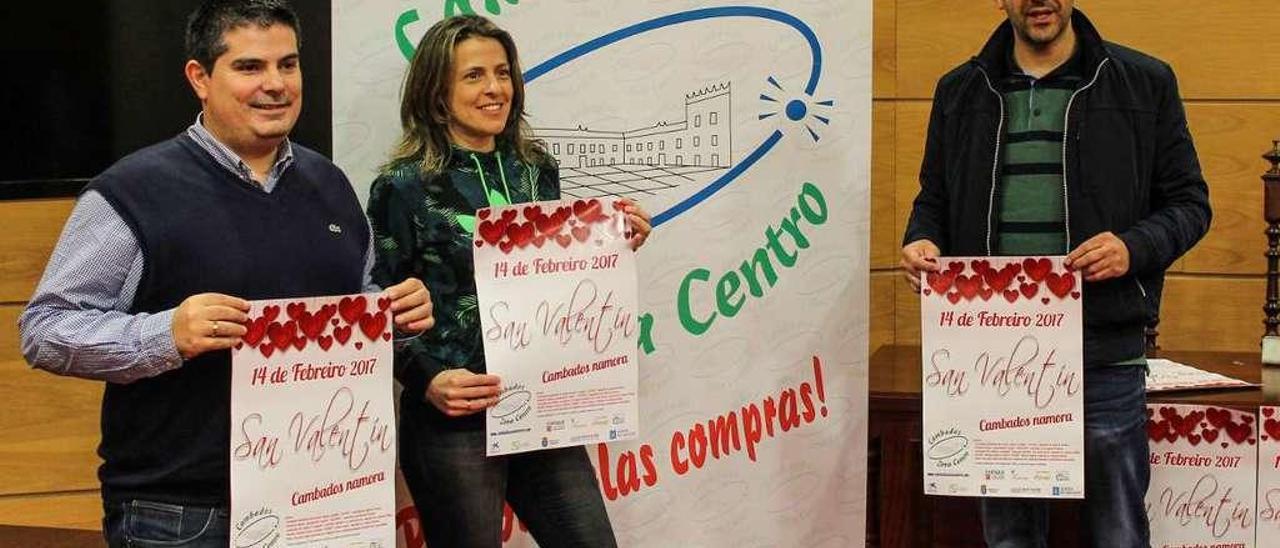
(1052, 141)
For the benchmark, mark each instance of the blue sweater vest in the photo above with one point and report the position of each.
(201, 229)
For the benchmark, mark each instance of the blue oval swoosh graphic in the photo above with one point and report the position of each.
(685, 17)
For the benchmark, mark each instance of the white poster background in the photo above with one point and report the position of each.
(1268, 527)
(313, 432)
(1003, 378)
(556, 283)
(1203, 476)
(778, 367)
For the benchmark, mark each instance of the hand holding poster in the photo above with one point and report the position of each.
(1003, 400)
(312, 425)
(558, 300)
(1203, 476)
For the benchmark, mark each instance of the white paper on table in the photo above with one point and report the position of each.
(1167, 375)
(1203, 476)
(558, 303)
(1002, 379)
(313, 433)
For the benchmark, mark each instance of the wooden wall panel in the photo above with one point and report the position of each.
(63, 510)
(28, 231)
(884, 241)
(1210, 45)
(882, 309)
(1212, 313)
(884, 50)
(907, 318)
(49, 428)
(1231, 138)
(911, 119)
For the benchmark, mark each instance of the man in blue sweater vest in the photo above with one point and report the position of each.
(147, 288)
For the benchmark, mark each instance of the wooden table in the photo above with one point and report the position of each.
(48, 537)
(900, 515)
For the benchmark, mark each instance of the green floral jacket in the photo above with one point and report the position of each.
(423, 227)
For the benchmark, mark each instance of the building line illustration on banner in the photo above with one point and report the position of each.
(796, 110)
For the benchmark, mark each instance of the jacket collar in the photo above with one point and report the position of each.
(993, 56)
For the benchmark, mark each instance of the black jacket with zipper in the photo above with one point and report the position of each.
(1129, 167)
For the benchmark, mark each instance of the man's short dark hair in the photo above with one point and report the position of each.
(214, 18)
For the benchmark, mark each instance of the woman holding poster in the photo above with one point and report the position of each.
(466, 146)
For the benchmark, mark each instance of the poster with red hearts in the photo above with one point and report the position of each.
(1268, 528)
(1002, 378)
(313, 431)
(558, 304)
(1203, 476)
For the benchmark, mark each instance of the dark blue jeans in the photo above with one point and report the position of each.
(1116, 471)
(459, 491)
(146, 524)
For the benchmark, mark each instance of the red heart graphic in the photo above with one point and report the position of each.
(538, 240)
(311, 325)
(372, 325)
(1169, 412)
(492, 231)
(564, 240)
(282, 335)
(506, 247)
(1156, 430)
(968, 286)
(294, 310)
(1247, 419)
(618, 205)
(926, 291)
(386, 336)
(483, 213)
(581, 233)
(383, 303)
(342, 334)
(1044, 300)
(300, 343)
(1194, 439)
(1060, 285)
(981, 266)
(533, 212)
(351, 308)
(940, 281)
(256, 329)
(1029, 290)
(508, 216)
(1037, 269)
(479, 243)
(359, 345)
(1075, 295)
(325, 342)
(551, 224)
(270, 312)
(587, 210)
(239, 346)
(954, 297)
(520, 234)
(1239, 432)
(1210, 435)
(334, 321)
(955, 267)
(985, 293)
(1268, 411)
(999, 279)
(1218, 417)
(266, 350)
(1010, 295)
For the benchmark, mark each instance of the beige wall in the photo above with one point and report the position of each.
(1223, 52)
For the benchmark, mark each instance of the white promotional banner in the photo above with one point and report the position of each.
(744, 128)
(313, 431)
(1204, 465)
(556, 283)
(1003, 380)
(1268, 529)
